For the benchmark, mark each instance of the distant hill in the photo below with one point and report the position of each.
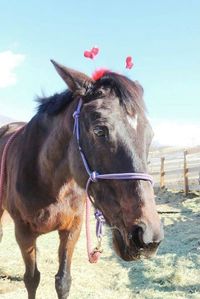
(5, 120)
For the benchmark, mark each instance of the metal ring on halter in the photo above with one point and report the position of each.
(98, 248)
(93, 176)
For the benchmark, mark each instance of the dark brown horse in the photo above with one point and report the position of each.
(44, 185)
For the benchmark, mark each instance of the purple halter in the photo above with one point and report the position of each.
(94, 176)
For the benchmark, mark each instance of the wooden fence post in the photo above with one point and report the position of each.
(162, 172)
(185, 173)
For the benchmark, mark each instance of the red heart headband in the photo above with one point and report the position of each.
(90, 54)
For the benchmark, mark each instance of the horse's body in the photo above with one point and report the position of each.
(45, 178)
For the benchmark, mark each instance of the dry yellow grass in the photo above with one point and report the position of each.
(174, 273)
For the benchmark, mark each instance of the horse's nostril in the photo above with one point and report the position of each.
(137, 236)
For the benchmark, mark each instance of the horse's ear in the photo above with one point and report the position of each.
(76, 81)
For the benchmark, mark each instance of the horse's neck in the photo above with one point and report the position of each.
(53, 156)
(44, 163)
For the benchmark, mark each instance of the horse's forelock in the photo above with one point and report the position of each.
(129, 92)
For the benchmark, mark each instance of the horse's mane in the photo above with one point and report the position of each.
(129, 92)
(53, 105)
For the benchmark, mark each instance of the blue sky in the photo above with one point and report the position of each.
(163, 37)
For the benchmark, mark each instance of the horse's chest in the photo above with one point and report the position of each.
(58, 216)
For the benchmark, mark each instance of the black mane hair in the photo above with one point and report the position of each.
(53, 105)
(129, 92)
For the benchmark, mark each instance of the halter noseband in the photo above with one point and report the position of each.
(94, 176)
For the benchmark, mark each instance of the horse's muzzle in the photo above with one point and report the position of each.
(136, 244)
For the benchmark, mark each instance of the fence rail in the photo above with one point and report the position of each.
(177, 168)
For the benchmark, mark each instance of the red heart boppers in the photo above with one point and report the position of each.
(92, 53)
(129, 62)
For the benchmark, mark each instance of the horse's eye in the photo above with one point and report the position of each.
(100, 131)
(99, 93)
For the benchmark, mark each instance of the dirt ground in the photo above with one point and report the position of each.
(173, 273)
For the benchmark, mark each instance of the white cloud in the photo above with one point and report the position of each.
(176, 133)
(8, 62)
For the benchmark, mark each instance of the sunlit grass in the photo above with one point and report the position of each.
(174, 273)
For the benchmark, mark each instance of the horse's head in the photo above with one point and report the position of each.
(115, 136)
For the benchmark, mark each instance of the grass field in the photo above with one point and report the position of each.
(173, 273)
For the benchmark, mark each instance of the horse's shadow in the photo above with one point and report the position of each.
(175, 268)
